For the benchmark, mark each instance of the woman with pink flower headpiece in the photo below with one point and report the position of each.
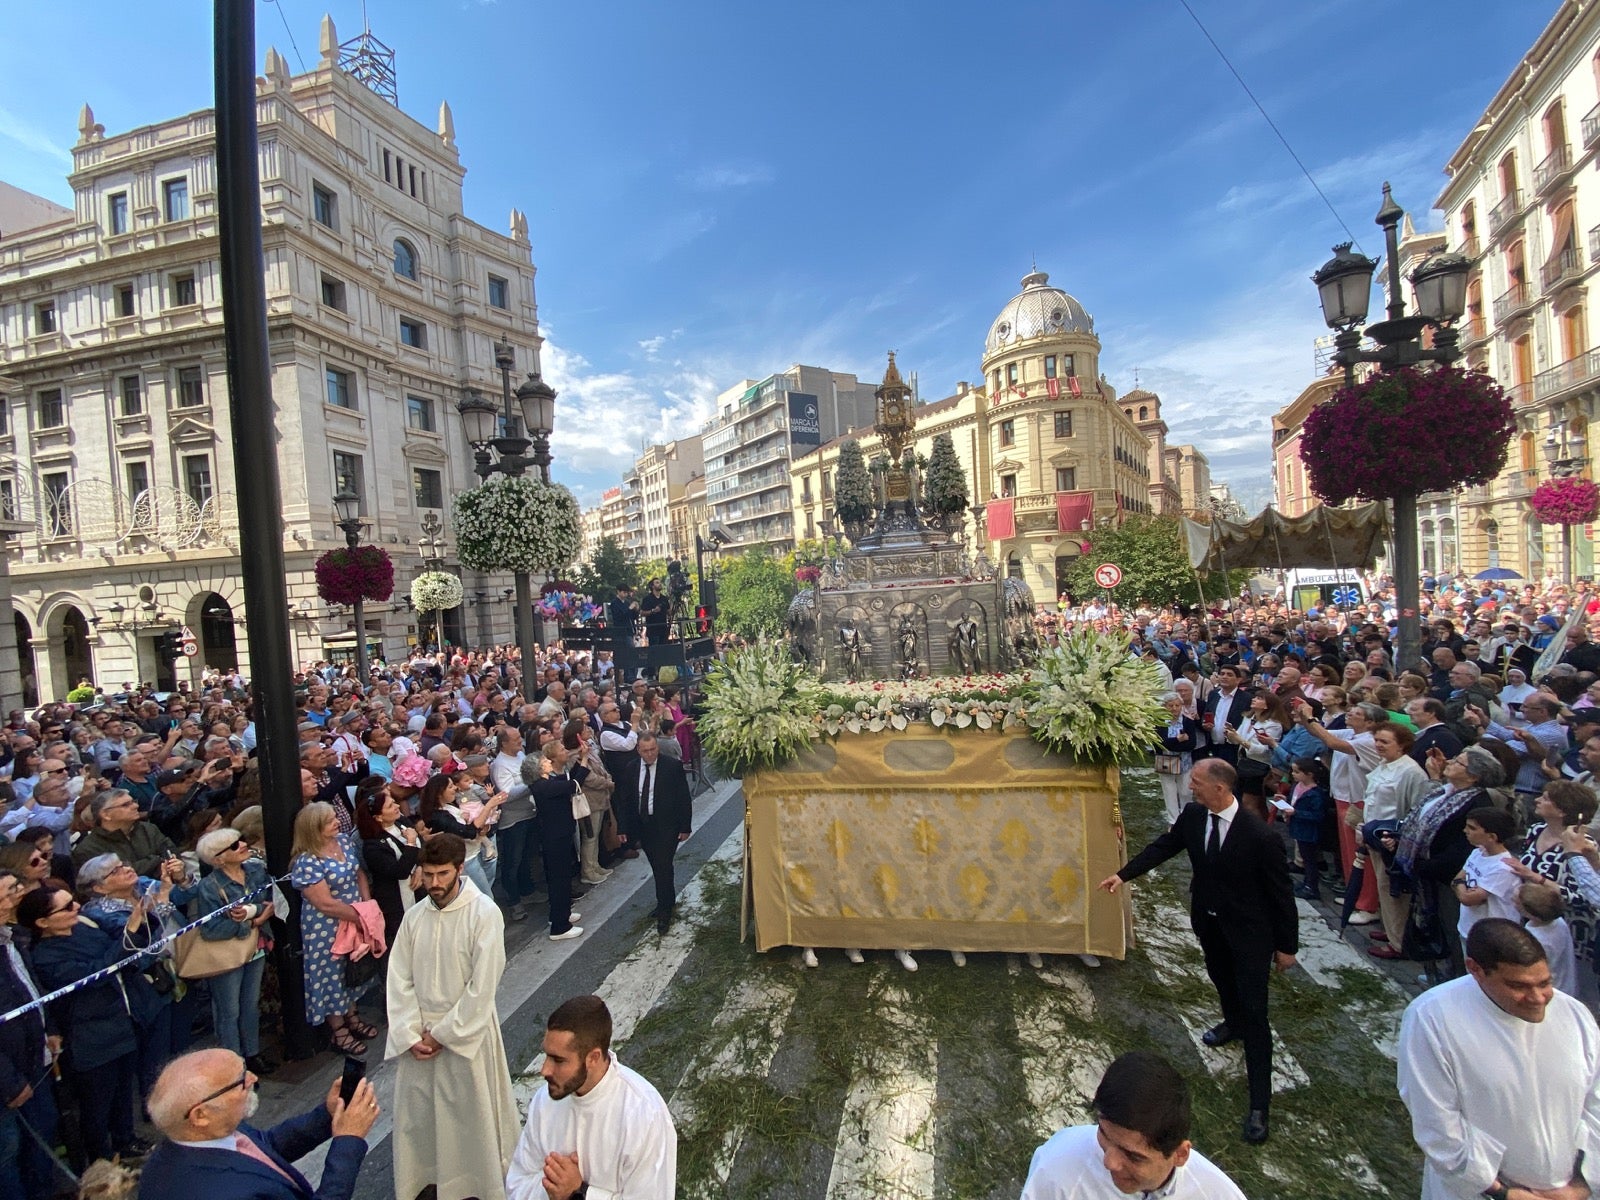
(411, 774)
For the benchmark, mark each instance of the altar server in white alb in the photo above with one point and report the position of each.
(1501, 1073)
(598, 1131)
(455, 1119)
(1138, 1146)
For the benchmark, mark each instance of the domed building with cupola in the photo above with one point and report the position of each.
(1050, 449)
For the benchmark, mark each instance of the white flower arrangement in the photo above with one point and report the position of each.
(435, 590)
(1087, 697)
(760, 708)
(517, 523)
(1090, 698)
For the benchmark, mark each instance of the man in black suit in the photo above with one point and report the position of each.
(654, 812)
(1242, 912)
(1225, 708)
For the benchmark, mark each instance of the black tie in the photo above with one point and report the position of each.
(646, 800)
(1214, 842)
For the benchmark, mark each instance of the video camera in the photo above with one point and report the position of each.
(677, 581)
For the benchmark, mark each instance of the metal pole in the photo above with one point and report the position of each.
(361, 640)
(1407, 588)
(244, 310)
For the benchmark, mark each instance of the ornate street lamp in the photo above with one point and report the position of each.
(500, 430)
(348, 505)
(1344, 286)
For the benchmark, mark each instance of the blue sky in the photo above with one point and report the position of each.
(717, 190)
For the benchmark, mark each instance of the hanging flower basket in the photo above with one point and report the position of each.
(517, 524)
(435, 590)
(1410, 430)
(346, 575)
(1566, 501)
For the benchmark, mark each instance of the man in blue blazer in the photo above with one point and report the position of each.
(201, 1102)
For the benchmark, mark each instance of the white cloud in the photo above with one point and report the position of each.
(30, 137)
(722, 176)
(652, 346)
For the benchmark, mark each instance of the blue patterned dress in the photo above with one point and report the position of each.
(326, 995)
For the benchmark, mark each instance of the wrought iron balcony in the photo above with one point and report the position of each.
(1591, 126)
(1506, 211)
(1512, 301)
(1553, 169)
(1575, 372)
(1563, 270)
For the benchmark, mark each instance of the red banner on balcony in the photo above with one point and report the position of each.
(1002, 515)
(1074, 511)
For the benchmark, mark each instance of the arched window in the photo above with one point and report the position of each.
(1013, 566)
(405, 259)
(1533, 530)
(1448, 559)
(1430, 557)
(1144, 412)
(1491, 539)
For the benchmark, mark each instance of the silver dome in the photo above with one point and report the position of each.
(1038, 310)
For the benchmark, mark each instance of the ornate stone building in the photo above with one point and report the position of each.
(384, 303)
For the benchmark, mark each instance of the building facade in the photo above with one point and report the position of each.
(662, 472)
(759, 427)
(385, 301)
(1522, 203)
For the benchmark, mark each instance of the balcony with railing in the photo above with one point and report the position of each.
(1520, 394)
(1594, 244)
(1566, 268)
(1470, 246)
(1505, 212)
(1512, 301)
(1555, 167)
(1514, 485)
(1591, 126)
(1474, 329)
(1573, 373)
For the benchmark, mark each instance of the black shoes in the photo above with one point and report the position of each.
(1305, 893)
(1219, 1035)
(1255, 1126)
(663, 921)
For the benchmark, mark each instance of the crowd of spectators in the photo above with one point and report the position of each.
(128, 815)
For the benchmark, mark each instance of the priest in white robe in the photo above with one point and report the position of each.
(597, 1129)
(455, 1120)
(1501, 1074)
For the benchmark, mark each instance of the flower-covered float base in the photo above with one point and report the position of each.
(935, 839)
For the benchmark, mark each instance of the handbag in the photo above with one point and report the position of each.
(1424, 939)
(1169, 764)
(580, 806)
(200, 958)
(358, 972)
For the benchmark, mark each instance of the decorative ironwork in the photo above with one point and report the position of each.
(368, 61)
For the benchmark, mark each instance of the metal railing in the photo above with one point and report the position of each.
(1554, 165)
(1570, 374)
(1565, 269)
(1505, 211)
(1513, 299)
(1470, 246)
(1591, 126)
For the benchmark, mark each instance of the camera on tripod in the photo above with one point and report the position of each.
(677, 582)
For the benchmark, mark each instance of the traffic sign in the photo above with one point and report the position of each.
(190, 647)
(1108, 575)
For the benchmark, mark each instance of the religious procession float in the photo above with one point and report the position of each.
(919, 772)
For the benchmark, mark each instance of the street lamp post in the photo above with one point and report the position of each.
(1344, 285)
(348, 506)
(1560, 456)
(431, 543)
(501, 429)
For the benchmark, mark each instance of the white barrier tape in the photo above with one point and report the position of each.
(123, 964)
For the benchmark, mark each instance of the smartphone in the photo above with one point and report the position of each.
(354, 1069)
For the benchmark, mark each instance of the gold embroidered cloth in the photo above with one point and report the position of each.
(928, 839)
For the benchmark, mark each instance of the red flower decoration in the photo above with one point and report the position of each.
(364, 573)
(1566, 501)
(807, 574)
(1412, 430)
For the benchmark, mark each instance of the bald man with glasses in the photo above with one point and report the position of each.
(202, 1102)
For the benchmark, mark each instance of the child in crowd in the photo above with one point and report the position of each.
(1487, 885)
(1308, 806)
(1541, 903)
